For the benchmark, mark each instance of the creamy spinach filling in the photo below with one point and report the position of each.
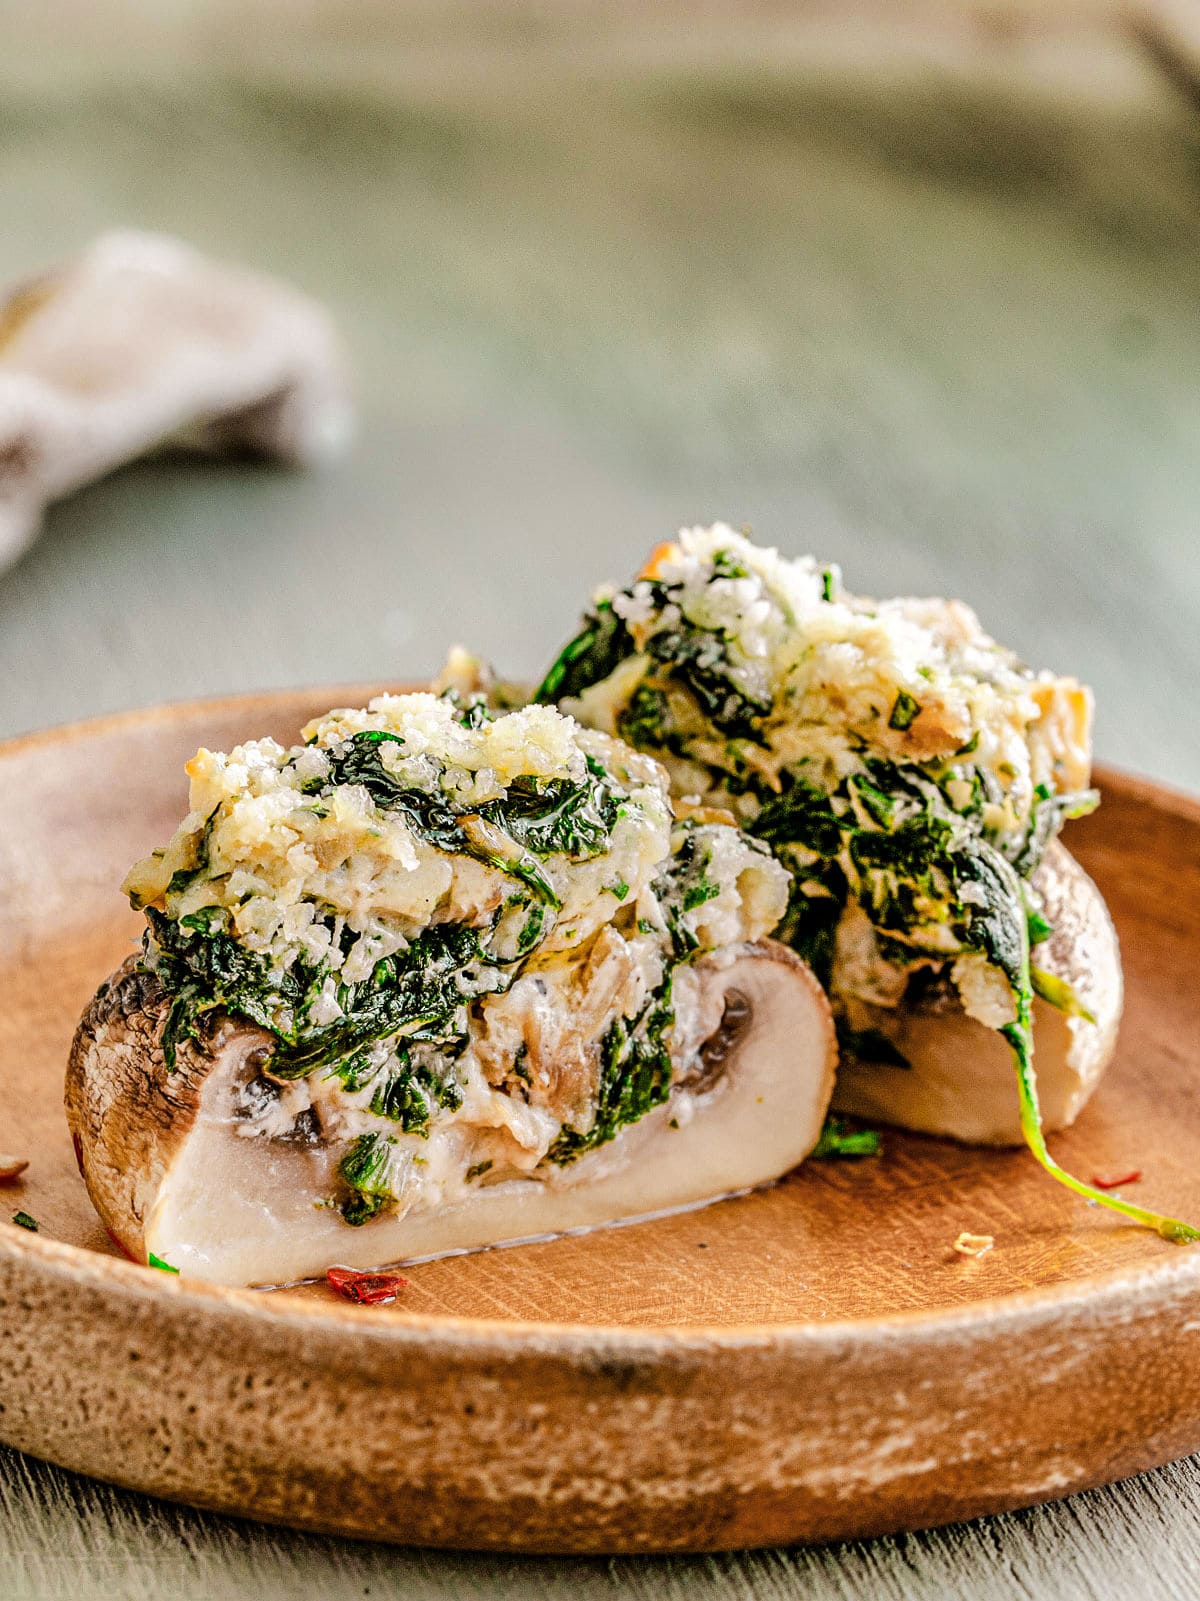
(393, 1036)
(419, 992)
(418, 995)
(536, 818)
(911, 843)
(635, 1056)
(682, 652)
(635, 1075)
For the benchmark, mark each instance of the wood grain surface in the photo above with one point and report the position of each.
(927, 306)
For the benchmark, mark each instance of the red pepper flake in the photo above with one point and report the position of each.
(128, 1255)
(11, 1167)
(366, 1289)
(77, 1147)
(1113, 1181)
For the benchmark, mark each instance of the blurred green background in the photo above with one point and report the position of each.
(913, 286)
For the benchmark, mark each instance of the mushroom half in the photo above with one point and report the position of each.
(959, 1078)
(184, 1165)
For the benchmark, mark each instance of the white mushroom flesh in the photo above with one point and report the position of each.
(960, 1080)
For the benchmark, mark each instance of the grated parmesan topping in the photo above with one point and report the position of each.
(829, 674)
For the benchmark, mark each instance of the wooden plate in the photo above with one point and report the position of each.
(805, 1363)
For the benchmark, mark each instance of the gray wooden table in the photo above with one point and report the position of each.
(922, 300)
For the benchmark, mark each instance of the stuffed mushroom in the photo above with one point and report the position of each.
(435, 979)
(912, 776)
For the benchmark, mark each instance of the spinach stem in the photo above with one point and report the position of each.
(1020, 1037)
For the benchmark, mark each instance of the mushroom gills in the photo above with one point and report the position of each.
(750, 1091)
(959, 1080)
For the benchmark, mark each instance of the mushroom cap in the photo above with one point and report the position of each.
(960, 1081)
(171, 1170)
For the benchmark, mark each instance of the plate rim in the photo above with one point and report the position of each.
(1173, 1274)
(1019, 1310)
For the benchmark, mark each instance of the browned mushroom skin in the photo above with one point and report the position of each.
(129, 1115)
(170, 1173)
(960, 1080)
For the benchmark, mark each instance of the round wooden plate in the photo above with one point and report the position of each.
(809, 1362)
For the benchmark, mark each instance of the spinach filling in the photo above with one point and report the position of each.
(635, 1058)
(635, 1076)
(696, 657)
(402, 1090)
(416, 995)
(644, 723)
(370, 1171)
(925, 877)
(918, 872)
(602, 644)
(536, 818)
(909, 842)
(699, 659)
(419, 993)
(683, 884)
